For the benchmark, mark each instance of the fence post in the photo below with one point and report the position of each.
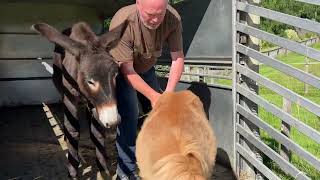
(306, 86)
(205, 71)
(211, 80)
(200, 71)
(245, 168)
(194, 70)
(187, 70)
(285, 129)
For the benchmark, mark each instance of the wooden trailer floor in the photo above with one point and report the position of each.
(30, 146)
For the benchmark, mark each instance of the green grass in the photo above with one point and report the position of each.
(313, 94)
(300, 113)
(297, 61)
(224, 82)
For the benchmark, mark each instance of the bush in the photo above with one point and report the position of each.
(291, 7)
(292, 34)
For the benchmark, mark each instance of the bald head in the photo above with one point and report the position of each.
(152, 12)
(154, 2)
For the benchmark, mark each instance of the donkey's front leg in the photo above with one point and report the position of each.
(72, 135)
(97, 134)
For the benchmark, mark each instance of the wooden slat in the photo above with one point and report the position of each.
(286, 117)
(18, 17)
(284, 164)
(24, 80)
(23, 69)
(290, 144)
(27, 92)
(24, 46)
(256, 163)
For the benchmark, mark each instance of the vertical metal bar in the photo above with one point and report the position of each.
(235, 95)
(252, 64)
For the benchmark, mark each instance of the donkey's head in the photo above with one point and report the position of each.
(97, 69)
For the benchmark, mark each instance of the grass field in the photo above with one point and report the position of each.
(300, 113)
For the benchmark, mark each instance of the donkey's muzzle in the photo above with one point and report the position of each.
(108, 115)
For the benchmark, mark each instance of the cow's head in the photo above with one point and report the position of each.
(97, 69)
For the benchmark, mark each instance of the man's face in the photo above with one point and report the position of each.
(152, 12)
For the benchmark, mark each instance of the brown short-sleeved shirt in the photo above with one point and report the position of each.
(142, 45)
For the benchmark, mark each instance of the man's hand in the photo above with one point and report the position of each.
(154, 98)
(138, 83)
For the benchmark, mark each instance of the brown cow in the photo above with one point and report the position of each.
(88, 80)
(176, 141)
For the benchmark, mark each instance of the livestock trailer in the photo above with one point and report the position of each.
(221, 41)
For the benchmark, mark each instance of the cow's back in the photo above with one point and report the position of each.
(176, 137)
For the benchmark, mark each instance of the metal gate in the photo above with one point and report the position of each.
(249, 147)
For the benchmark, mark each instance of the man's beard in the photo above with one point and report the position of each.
(149, 26)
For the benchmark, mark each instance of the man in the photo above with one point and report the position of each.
(151, 24)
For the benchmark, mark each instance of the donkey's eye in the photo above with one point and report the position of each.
(93, 85)
(91, 82)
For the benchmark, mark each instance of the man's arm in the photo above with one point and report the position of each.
(138, 83)
(175, 70)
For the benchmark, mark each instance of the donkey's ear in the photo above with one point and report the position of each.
(112, 37)
(82, 31)
(55, 36)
